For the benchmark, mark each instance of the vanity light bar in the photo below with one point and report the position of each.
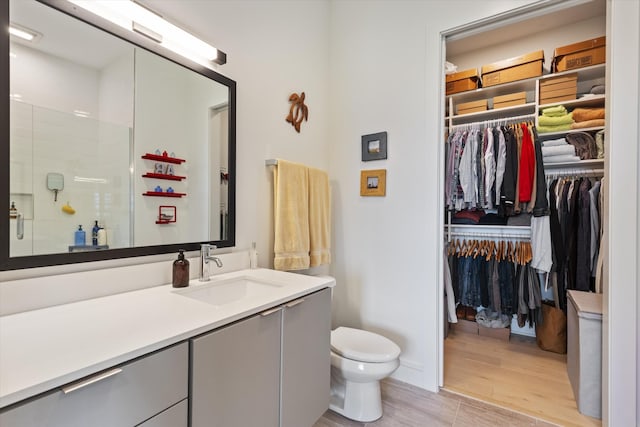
(23, 32)
(132, 16)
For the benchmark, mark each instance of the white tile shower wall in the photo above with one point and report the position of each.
(95, 179)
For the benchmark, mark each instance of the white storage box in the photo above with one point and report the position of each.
(584, 350)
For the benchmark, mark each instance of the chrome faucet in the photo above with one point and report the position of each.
(205, 257)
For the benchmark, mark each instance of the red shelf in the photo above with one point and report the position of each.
(163, 194)
(166, 159)
(163, 176)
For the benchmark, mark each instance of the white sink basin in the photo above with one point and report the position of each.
(219, 293)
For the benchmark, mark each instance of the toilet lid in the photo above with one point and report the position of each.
(363, 346)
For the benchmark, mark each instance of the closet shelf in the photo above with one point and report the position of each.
(552, 135)
(495, 114)
(526, 85)
(586, 73)
(590, 101)
(582, 164)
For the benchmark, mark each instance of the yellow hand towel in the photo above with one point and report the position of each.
(291, 216)
(319, 217)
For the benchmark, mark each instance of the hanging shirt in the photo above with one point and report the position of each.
(490, 169)
(527, 166)
(500, 164)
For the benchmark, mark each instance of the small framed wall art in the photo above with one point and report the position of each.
(374, 146)
(373, 182)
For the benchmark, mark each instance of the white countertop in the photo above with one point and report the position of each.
(47, 348)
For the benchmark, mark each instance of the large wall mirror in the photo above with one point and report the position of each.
(105, 127)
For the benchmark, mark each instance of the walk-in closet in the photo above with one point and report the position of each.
(524, 162)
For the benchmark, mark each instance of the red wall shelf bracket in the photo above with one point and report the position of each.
(163, 176)
(163, 194)
(166, 159)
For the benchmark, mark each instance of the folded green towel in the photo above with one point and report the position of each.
(567, 119)
(558, 128)
(558, 110)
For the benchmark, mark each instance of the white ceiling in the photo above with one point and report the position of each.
(516, 30)
(66, 37)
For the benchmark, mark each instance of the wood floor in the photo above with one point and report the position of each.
(408, 406)
(514, 374)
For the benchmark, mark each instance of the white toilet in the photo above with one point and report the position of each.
(359, 360)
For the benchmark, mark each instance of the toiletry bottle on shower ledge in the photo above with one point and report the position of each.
(94, 234)
(80, 237)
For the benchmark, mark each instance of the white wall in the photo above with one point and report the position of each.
(385, 75)
(174, 128)
(274, 48)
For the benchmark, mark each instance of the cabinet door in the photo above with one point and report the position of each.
(306, 360)
(235, 374)
(176, 416)
(124, 396)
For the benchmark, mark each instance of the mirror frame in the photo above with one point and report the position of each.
(33, 261)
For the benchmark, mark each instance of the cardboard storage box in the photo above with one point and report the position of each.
(509, 100)
(578, 55)
(558, 89)
(500, 333)
(462, 81)
(512, 69)
(465, 326)
(471, 107)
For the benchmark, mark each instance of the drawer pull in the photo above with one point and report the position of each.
(268, 312)
(80, 384)
(294, 303)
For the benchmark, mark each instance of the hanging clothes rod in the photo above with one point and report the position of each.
(487, 231)
(271, 162)
(506, 235)
(493, 122)
(573, 172)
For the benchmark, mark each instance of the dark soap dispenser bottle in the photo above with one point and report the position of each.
(181, 271)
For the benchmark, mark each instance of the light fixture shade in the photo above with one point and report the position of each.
(24, 33)
(134, 17)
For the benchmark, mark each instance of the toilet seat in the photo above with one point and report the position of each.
(363, 346)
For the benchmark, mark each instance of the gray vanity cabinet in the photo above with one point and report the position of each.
(126, 395)
(272, 369)
(306, 359)
(235, 372)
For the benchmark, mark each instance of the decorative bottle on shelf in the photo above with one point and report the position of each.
(94, 234)
(80, 237)
(180, 271)
(102, 237)
(13, 212)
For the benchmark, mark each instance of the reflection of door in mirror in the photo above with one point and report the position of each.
(218, 143)
(70, 112)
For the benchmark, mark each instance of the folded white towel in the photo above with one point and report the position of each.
(565, 158)
(554, 142)
(559, 150)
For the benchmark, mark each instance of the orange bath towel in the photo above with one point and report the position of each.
(586, 114)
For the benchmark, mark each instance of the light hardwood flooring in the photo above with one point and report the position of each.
(404, 405)
(515, 374)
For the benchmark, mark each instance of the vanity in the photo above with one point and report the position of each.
(249, 347)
